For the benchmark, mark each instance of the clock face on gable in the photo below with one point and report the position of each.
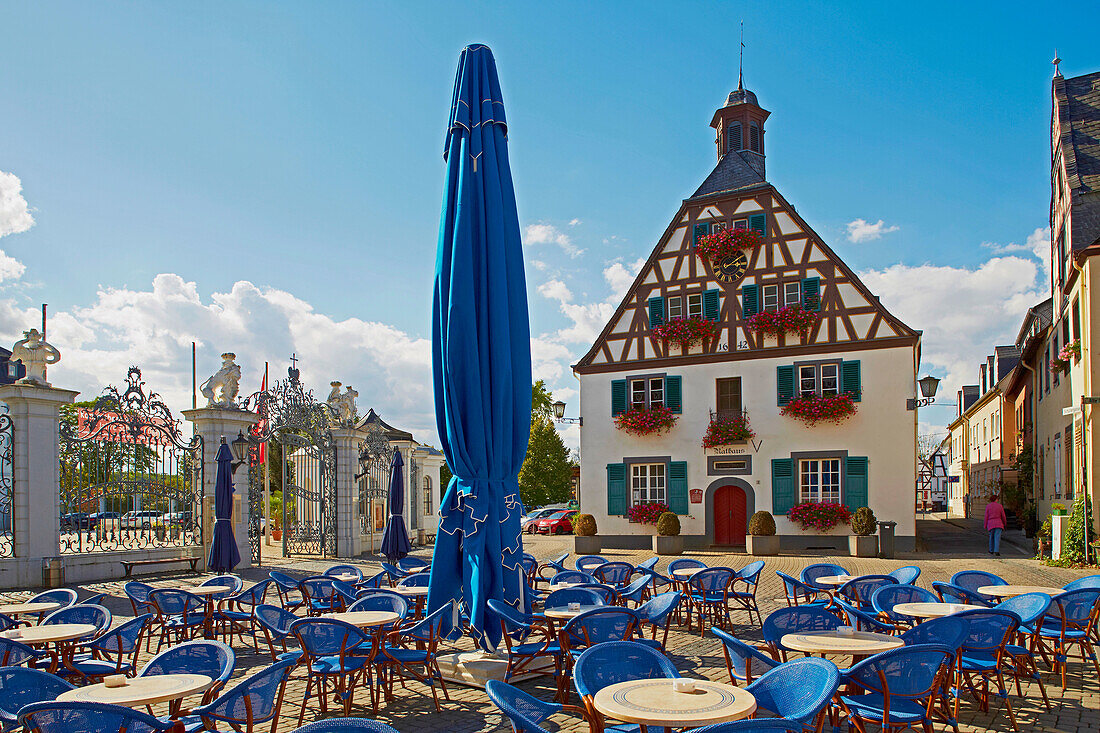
(731, 269)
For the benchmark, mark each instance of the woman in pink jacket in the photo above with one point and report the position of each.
(995, 521)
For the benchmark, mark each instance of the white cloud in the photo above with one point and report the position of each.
(15, 215)
(1037, 245)
(543, 233)
(621, 276)
(10, 268)
(538, 265)
(555, 290)
(574, 222)
(862, 230)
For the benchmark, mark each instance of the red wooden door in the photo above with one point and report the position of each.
(729, 516)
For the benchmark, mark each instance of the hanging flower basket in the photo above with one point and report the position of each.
(646, 420)
(788, 319)
(726, 430)
(685, 331)
(727, 242)
(646, 513)
(1058, 364)
(819, 516)
(816, 409)
(1069, 354)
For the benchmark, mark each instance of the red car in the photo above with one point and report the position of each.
(557, 523)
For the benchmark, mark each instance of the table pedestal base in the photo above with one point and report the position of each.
(474, 669)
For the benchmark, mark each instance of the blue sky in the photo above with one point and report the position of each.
(266, 177)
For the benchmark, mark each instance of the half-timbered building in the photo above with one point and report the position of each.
(854, 347)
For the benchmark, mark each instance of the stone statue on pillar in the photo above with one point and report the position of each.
(343, 404)
(220, 390)
(35, 354)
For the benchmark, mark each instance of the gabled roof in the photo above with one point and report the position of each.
(970, 396)
(731, 173)
(1078, 101)
(1043, 313)
(372, 419)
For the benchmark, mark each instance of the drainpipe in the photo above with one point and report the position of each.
(1085, 412)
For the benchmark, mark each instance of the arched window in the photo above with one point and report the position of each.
(428, 503)
(733, 136)
(754, 138)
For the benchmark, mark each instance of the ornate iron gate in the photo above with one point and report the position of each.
(7, 487)
(373, 477)
(129, 481)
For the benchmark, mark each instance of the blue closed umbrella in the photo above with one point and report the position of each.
(395, 540)
(481, 356)
(224, 554)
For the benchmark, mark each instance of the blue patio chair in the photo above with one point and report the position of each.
(334, 660)
(811, 573)
(393, 573)
(683, 563)
(274, 622)
(525, 713)
(649, 564)
(588, 563)
(906, 575)
(885, 598)
(238, 612)
(951, 593)
(858, 591)
(527, 642)
(286, 587)
(553, 565)
(744, 662)
(67, 717)
(950, 631)
(1087, 582)
(798, 691)
(21, 686)
(801, 594)
(411, 563)
(971, 580)
(382, 600)
(983, 656)
(899, 687)
(607, 594)
(82, 613)
(344, 570)
(656, 615)
(97, 599)
(113, 652)
(612, 662)
(64, 596)
(593, 628)
(616, 574)
(378, 580)
(179, 614)
(530, 567)
(1070, 622)
(1032, 609)
(861, 620)
(345, 592)
(321, 595)
(564, 596)
(756, 725)
(795, 620)
(345, 725)
(138, 594)
(14, 653)
(412, 651)
(214, 659)
(571, 576)
(636, 591)
(419, 580)
(255, 699)
(708, 595)
(7, 622)
(745, 599)
(231, 583)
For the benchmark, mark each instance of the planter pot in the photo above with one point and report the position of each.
(586, 545)
(863, 545)
(663, 545)
(276, 534)
(762, 544)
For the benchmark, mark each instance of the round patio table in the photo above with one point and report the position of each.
(1009, 591)
(364, 619)
(837, 580)
(50, 633)
(684, 573)
(346, 578)
(654, 702)
(563, 613)
(934, 610)
(207, 593)
(554, 586)
(857, 644)
(14, 609)
(410, 590)
(140, 691)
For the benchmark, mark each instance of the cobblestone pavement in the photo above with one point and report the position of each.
(1076, 710)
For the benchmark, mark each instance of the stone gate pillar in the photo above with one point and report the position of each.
(212, 423)
(349, 536)
(35, 412)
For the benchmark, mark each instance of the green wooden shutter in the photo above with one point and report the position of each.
(618, 396)
(700, 230)
(750, 300)
(678, 487)
(616, 489)
(711, 305)
(855, 482)
(784, 384)
(811, 294)
(656, 311)
(673, 393)
(759, 223)
(850, 379)
(782, 485)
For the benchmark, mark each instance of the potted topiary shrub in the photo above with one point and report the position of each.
(761, 538)
(585, 541)
(863, 542)
(668, 541)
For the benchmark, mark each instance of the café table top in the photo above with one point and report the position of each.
(50, 633)
(346, 577)
(14, 609)
(835, 579)
(563, 612)
(364, 619)
(411, 590)
(1008, 591)
(203, 590)
(833, 642)
(565, 585)
(140, 691)
(933, 610)
(686, 572)
(653, 702)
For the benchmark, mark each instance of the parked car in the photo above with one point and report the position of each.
(181, 519)
(530, 521)
(560, 522)
(104, 516)
(77, 520)
(142, 520)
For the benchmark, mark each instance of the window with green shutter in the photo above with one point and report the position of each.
(784, 384)
(699, 231)
(811, 294)
(850, 382)
(673, 393)
(759, 222)
(616, 489)
(783, 495)
(711, 305)
(656, 311)
(855, 482)
(618, 397)
(678, 487)
(750, 300)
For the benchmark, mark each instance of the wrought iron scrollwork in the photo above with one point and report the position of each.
(7, 487)
(373, 476)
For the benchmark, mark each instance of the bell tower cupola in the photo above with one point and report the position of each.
(740, 127)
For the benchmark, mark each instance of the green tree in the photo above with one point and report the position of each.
(444, 480)
(547, 472)
(542, 401)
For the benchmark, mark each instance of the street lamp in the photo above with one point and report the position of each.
(559, 415)
(928, 386)
(239, 446)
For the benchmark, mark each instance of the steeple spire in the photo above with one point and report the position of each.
(741, 59)
(1056, 61)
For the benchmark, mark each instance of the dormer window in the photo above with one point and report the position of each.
(733, 137)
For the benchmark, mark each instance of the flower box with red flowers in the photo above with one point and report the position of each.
(819, 516)
(813, 409)
(686, 331)
(727, 242)
(788, 319)
(726, 430)
(647, 513)
(646, 420)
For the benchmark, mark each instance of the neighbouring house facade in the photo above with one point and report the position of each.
(851, 348)
(958, 466)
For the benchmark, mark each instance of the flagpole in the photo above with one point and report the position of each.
(267, 478)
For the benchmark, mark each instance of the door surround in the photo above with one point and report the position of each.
(708, 501)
